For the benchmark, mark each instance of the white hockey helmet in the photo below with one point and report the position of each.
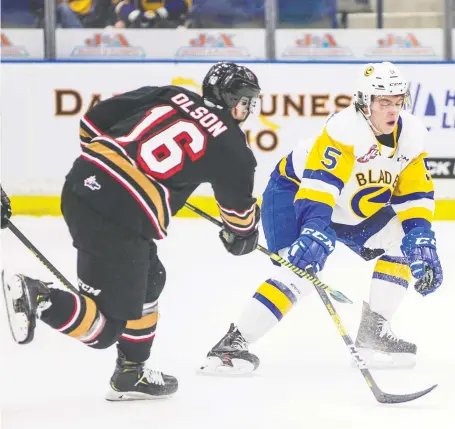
(380, 79)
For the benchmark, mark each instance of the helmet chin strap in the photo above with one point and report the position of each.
(367, 118)
(375, 130)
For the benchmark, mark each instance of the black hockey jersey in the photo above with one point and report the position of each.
(145, 152)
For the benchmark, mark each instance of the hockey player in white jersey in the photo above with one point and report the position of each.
(364, 182)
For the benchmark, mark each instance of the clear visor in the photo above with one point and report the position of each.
(407, 102)
(255, 106)
(250, 105)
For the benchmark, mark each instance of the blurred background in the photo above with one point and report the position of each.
(53, 16)
(60, 57)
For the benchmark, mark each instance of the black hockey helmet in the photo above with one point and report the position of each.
(227, 83)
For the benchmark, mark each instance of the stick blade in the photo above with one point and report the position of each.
(387, 398)
(340, 297)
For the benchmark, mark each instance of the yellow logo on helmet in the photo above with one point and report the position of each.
(369, 71)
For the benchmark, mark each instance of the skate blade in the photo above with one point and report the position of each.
(115, 396)
(214, 366)
(13, 292)
(379, 360)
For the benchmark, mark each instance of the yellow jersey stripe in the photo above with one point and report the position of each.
(314, 195)
(416, 213)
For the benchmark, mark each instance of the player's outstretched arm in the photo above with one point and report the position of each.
(413, 201)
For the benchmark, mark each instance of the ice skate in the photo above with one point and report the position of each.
(24, 297)
(230, 356)
(379, 346)
(132, 381)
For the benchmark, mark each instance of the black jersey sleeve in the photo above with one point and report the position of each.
(107, 113)
(234, 194)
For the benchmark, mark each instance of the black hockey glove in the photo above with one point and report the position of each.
(239, 244)
(6, 208)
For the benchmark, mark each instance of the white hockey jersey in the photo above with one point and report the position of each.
(345, 175)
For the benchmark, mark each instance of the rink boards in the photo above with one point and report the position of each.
(44, 102)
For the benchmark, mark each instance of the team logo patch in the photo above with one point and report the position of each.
(367, 201)
(92, 184)
(371, 154)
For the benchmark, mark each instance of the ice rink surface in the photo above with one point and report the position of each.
(305, 380)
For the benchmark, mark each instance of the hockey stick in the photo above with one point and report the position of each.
(336, 295)
(41, 257)
(382, 397)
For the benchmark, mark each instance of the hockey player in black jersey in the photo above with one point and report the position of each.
(143, 154)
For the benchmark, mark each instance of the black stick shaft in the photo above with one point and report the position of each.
(28, 244)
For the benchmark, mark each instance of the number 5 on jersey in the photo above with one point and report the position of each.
(330, 158)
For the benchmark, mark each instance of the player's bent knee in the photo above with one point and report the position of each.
(109, 334)
(94, 329)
